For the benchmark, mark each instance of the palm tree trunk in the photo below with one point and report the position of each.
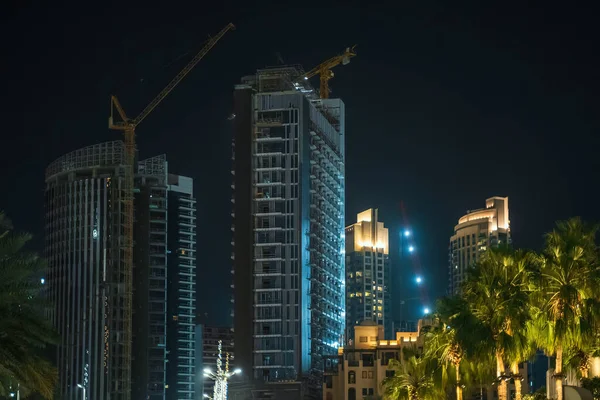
(515, 370)
(502, 395)
(558, 373)
(458, 386)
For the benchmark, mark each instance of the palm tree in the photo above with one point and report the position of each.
(478, 371)
(497, 291)
(24, 332)
(444, 343)
(413, 380)
(569, 289)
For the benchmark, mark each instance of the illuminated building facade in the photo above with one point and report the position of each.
(367, 273)
(84, 204)
(181, 290)
(288, 228)
(84, 193)
(360, 368)
(476, 232)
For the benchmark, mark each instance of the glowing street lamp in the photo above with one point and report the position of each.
(419, 280)
(80, 386)
(426, 310)
(221, 376)
(411, 249)
(406, 233)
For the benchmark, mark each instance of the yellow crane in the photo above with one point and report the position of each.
(324, 70)
(128, 125)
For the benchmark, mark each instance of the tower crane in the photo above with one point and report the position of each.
(324, 70)
(128, 125)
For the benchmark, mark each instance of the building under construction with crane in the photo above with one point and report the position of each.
(288, 229)
(90, 232)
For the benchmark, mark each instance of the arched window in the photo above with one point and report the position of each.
(351, 394)
(351, 377)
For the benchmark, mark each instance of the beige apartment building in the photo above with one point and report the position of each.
(368, 273)
(359, 369)
(476, 232)
(361, 366)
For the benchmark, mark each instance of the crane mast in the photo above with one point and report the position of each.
(325, 73)
(127, 194)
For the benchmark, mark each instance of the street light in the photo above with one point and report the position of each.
(426, 310)
(411, 249)
(80, 386)
(406, 233)
(221, 376)
(418, 279)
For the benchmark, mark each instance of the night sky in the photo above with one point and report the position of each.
(445, 106)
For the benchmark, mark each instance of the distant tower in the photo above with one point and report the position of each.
(476, 232)
(367, 273)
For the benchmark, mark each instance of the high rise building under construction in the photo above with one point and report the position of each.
(85, 284)
(288, 232)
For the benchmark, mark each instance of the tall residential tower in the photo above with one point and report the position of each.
(367, 273)
(476, 232)
(84, 210)
(84, 193)
(288, 223)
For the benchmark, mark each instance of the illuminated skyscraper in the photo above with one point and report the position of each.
(288, 224)
(84, 278)
(476, 232)
(367, 273)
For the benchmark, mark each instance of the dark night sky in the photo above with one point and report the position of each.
(445, 106)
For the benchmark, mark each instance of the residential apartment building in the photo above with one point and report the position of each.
(288, 229)
(84, 278)
(150, 271)
(181, 290)
(83, 204)
(476, 232)
(368, 273)
(360, 367)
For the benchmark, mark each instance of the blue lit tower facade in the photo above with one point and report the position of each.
(288, 228)
(181, 290)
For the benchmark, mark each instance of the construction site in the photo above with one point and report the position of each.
(288, 239)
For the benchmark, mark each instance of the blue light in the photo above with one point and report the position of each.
(411, 249)
(418, 279)
(43, 281)
(407, 233)
(426, 310)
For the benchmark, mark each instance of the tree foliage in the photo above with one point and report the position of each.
(24, 331)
